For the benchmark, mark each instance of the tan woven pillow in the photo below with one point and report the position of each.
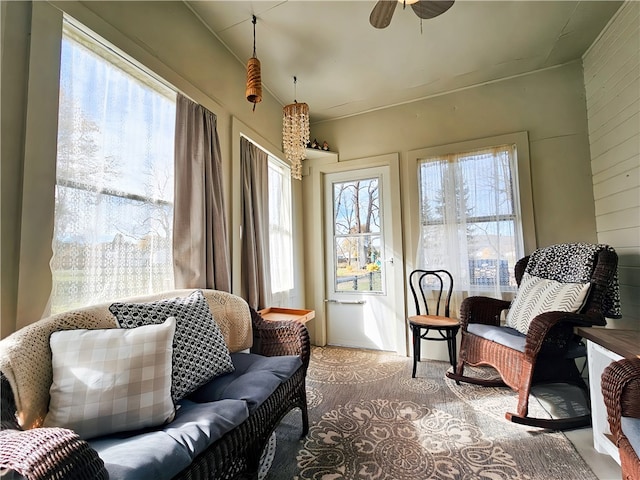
(113, 380)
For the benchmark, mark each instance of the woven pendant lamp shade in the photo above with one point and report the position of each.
(254, 81)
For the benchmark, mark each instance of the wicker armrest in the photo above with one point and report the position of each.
(541, 325)
(485, 310)
(273, 338)
(621, 390)
(49, 453)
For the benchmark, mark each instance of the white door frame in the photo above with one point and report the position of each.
(314, 170)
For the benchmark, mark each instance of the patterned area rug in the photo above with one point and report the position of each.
(370, 420)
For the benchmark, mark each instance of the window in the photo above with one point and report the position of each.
(114, 180)
(357, 236)
(280, 230)
(469, 217)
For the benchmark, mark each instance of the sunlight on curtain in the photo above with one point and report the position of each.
(200, 242)
(114, 186)
(469, 219)
(280, 232)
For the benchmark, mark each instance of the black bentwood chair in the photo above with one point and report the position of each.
(437, 285)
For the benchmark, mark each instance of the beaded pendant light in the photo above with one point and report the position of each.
(295, 134)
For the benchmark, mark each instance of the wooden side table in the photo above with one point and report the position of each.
(605, 345)
(281, 313)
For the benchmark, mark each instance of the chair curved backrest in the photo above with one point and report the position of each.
(440, 283)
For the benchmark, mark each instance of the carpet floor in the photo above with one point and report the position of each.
(370, 420)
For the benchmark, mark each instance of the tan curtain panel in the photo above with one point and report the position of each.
(200, 243)
(254, 167)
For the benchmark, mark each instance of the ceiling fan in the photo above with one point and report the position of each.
(383, 11)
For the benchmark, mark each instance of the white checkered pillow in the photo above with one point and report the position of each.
(111, 380)
(199, 350)
(538, 295)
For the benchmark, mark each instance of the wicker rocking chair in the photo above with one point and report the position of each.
(536, 344)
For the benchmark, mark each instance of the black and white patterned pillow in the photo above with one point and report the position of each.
(574, 263)
(199, 350)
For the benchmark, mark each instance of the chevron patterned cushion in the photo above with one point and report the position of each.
(538, 295)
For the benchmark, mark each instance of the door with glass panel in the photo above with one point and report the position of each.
(360, 268)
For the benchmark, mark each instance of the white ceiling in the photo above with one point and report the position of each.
(344, 66)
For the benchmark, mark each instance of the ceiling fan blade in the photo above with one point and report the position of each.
(382, 13)
(431, 8)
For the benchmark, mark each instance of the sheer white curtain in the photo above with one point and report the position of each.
(280, 232)
(114, 185)
(469, 219)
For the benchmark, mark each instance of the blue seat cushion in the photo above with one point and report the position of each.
(163, 452)
(254, 378)
(631, 429)
(507, 336)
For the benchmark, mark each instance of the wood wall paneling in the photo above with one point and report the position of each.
(612, 87)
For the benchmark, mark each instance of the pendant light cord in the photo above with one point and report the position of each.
(254, 34)
(295, 89)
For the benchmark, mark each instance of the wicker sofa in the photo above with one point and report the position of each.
(621, 392)
(219, 430)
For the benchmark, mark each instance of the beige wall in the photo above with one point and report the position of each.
(612, 83)
(549, 105)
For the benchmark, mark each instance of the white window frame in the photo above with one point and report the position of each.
(523, 197)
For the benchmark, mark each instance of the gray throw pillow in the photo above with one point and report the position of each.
(199, 350)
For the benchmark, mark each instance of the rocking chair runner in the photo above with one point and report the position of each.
(542, 354)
